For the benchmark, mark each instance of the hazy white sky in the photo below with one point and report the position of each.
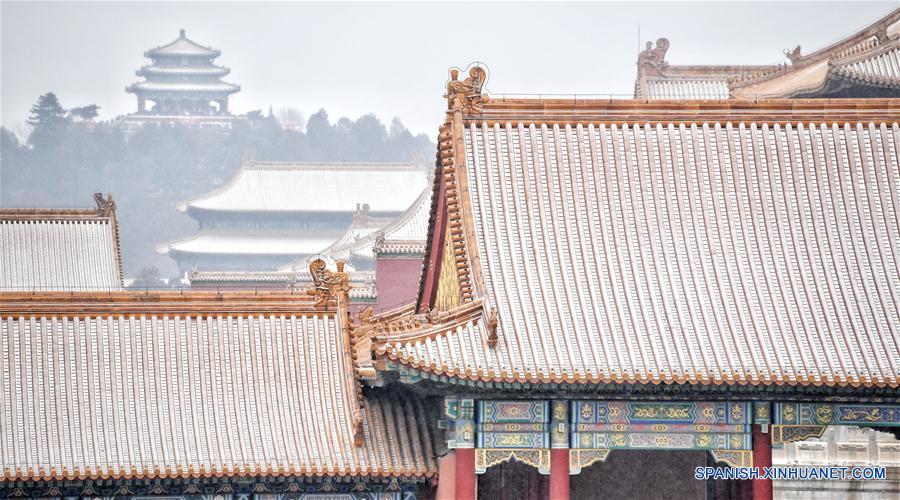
(390, 59)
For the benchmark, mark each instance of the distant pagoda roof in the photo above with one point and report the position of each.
(182, 46)
(217, 87)
(388, 188)
(182, 68)
(168, 70)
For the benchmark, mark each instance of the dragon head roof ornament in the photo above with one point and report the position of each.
(654, 56)
(327, 284)
(466, 94)
(793, 55)
(106, 207)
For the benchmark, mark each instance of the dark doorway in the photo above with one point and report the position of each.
(513, 481)
(642, 475)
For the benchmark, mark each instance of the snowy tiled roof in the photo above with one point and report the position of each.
(687, 89)
(185, 87)
(205, 70)
(316, 187)
(193, 384)
(58, 249)
(408, 233)
(253, 242)
(882, 67)
(362, 283)
(753, 250)
(357, 240)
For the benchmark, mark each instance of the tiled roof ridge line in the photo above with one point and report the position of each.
(459, 203)
(107, 208)
(194, 303)
(348, 333)
(334, 287)
(877, 29)
(41, 214)
(329, 165)
(675, 107)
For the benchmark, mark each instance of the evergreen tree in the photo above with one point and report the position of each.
(49, 121)
(85, 113)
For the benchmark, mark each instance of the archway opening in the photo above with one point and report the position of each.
(513, 480)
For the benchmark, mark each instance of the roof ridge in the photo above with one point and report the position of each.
(877, 28)
(317, 165)
(163, 302)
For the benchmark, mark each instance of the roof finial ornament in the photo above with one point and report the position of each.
(105, 207)
(181, 33)
(793, 55)
(466, 95)
(327, 284)
(655, 57)
(492, 323)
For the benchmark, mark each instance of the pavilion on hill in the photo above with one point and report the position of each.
(183, 84)
(864, 64)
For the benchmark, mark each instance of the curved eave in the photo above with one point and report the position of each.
(385, 352)
(198, 212)
(388, 347)
(141, 87)
(187, 71)
(176, 251)
(191, 473)
(199, 52)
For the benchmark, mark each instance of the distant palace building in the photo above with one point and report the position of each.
(865, 64)
(386, 260)
(272, 214)
(182, 84)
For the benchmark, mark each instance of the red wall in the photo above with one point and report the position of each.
(397, 281)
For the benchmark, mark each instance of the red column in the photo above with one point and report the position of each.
(762, 457)
(465, 474)
(559, 474)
